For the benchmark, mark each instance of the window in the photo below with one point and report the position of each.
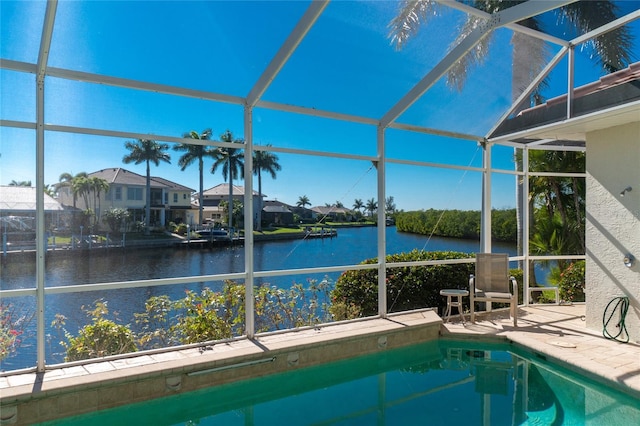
(184, 196)
(175, 197)
(134, 194)
(118, 193)
(166, 198)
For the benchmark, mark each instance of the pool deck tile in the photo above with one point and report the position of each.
(560, 332)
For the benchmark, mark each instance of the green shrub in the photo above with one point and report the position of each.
(102, 337)
(208, 315)
(572, 281)
(409, 287)
(181, 229)
(213, 315)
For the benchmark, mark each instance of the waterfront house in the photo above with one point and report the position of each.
(170, 201)
(277, 212)
(213, 212)
(339, 214)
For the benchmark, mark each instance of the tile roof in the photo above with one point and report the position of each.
(276, 209)
(223, 189)
(122, 176)
(618, 88)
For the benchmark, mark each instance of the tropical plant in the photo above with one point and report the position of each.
(13, 322)
(298, 306)
(358, 205)
(232, 162)
(267, 162)
(562, 198)
(389, 205)
(192, 153)
(371, 206)
(303, 201)
(49, 190)
(20, 183)
(98, 186)
(116, 218)
(237, 208)
(154, 323)
(572, 282)
(66, 181)
(146, 151)
(213, 315)
(102, 337)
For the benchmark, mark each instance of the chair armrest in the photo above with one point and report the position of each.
(514, 284)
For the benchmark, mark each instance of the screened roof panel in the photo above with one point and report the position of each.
(18, 96)
(21, 29)
(221, 47)
(347, 62)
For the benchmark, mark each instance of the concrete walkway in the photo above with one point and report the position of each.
(560, 332)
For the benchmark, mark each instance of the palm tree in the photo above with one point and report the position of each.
(193, 153)
(81, 186)
(146, 151)
(66, 181)
(20, 183)
(232, 162)
(561, 197)
(48, 189)
(303, 201)
(358, 205)
(371, 206)
(268, 162)
(389, 205)
(98, 185)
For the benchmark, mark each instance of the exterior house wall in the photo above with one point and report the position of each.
(177, 201)
(613, 224)
(216, 214)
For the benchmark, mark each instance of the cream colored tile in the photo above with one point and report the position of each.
(99, 367)
(22, 379)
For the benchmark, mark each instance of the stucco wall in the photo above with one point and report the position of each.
(613, 223)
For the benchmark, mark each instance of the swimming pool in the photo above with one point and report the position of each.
(442, 382)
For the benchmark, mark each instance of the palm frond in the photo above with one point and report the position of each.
(457, 75)
(613, 50)
(407, 22)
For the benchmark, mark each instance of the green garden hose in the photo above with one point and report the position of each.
(621, 305)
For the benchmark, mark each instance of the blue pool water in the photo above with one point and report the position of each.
(436, 383)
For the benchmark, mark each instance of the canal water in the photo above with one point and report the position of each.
(351, 246)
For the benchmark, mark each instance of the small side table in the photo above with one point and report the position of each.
(457, 302)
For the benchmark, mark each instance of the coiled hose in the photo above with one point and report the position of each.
(622, 306)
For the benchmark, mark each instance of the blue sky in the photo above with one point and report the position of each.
(345, 64)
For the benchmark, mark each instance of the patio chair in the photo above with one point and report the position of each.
(492, 283)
